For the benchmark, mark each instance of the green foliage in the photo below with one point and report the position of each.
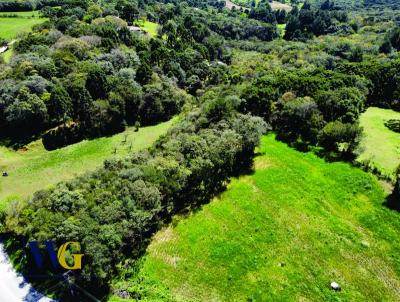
(59, 105)
(379, 145)
(339, 137)
(343, 104)
(34, 167)
(393, 125)
(307, 22)
(125, 202)
(287, 230)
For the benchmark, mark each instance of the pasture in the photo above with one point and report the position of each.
(14, 23)
(283, 233)
(34, 168)
(11, 27)
(380, 147)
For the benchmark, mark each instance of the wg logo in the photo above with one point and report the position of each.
(59, 259)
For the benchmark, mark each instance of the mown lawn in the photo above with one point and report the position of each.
(36, 168)
(380, 146)
(283, 233)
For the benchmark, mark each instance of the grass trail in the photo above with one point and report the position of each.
(36, 168)
(282, 234)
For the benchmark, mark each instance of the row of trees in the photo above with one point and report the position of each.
(114, 211)
(21, 6)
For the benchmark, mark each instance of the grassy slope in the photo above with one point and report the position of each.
(10, 27)
(380, 145)
(37, 168)
(282, 234)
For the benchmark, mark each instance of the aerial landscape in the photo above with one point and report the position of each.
(170, 150)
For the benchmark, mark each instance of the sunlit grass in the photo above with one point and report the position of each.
(35, 168)
(283, 233)
(11, 27)
(380, 146)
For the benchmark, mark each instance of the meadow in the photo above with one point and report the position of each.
(11, 27)
(33, 168)
(283, 233)
(380, 147)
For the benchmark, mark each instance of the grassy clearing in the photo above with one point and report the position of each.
(35, 168)
(380, 146)
(11, 27)
(281, 234)
(7, 55)
(275, 5)
(149, 27)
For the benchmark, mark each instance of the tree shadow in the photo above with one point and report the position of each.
(392, 201)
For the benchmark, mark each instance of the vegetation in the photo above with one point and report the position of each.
(379, 145)
(11, 27)
(115, 210)
(232, 73)
(287, 230)
(33, 167)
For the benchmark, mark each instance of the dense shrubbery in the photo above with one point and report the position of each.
(114, 211)
(310, 107)
(19, 6)
(307, 22)
(393, 125)
(384, 78)
(392, 41)
(86, 68)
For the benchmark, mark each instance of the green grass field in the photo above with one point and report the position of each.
(380, 146)
(11, 27)
(36, 168)
(34, 14)
(283, 233)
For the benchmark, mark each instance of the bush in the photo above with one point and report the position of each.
(393, 125)
(114, 211)
(340, 138)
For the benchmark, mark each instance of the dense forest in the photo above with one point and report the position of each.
(84, 73)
